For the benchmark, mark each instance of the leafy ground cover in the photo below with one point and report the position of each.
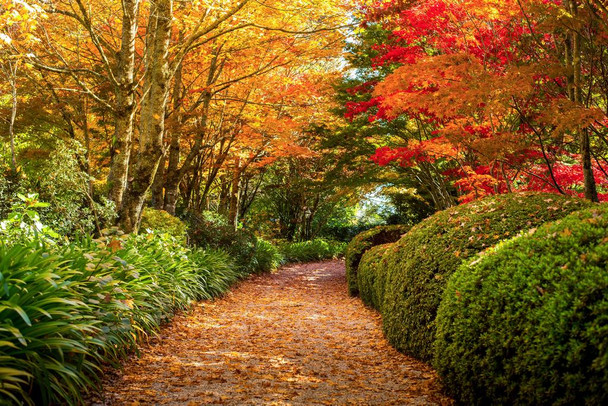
(292, 337)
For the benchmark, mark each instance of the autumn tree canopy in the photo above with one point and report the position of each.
(167, 93)
(189, 106)
(494, 96)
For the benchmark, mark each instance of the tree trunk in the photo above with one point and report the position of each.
(590, 186)
(154, 104)
(173, 177)
(12, 73)
(233, 217)
(124, 114)
(158, 186)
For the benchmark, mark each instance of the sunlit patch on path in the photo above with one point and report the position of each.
(291, 338)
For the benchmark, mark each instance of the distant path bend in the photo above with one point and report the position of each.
(294, 337)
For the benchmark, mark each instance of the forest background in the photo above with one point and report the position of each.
(296, 121)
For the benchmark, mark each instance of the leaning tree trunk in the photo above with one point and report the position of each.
(154, 104)
(124, 114)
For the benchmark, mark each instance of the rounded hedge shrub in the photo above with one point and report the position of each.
(371, 275)
(364, 241)
(527, 322)
(424, 259)
(162, 222)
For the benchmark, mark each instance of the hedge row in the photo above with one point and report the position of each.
(527, 322)
(371, 275)
(363, 242)
(523, 322)
(423, 261)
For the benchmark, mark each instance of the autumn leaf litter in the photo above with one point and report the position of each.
(294, 337)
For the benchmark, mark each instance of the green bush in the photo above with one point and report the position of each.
(267, 257)
(56, 173)
(364, 241)
(65, 309)
(313, 250)
(425, 258)
(215, 233)
(46, 329)
(527, 321)
(371, 275)
(162, 222)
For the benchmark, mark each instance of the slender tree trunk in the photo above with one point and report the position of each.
(173, 177)
(154, 105)
(87, 145)
(224, 196)
(124, 114)
(158, 194)
(234, 196)
(590, 186)
(12, 74)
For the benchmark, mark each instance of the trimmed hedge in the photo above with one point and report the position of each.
(425, 258)
(363, 242)
(371, 275)
(527, 322)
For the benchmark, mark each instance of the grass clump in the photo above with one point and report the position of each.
(267, 257)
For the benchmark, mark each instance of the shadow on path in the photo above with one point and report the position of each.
(294, 337)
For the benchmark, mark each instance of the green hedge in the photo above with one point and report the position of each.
(65, 310)
(527, 321)
(363, 242)
(371, 275)
(313, 250)
(425, 258)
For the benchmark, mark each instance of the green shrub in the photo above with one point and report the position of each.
(371, 275)
(47, 353)
(267, 257)
(215, 233)
(65, 309)
(425, 258)
(364, 241)
(527, 321)
(313, 250)
(56, 173)
(162, 222)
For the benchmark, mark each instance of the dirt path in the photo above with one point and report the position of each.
(291, 338)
